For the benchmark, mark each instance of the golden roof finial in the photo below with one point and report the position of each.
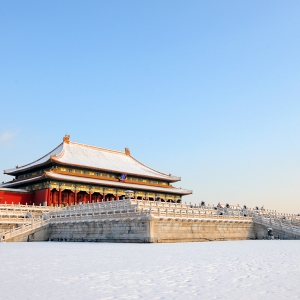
(66, 139)
(127, 151)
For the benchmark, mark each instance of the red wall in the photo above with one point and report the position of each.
(15, 197)
(40, 197)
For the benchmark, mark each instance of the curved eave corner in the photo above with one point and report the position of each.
(18, 170)
(17, 182)
(39, 162)
(184, 192)
(169, 177)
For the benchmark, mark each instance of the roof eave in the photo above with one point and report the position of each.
(171, 179)
(10, 190)
(17, 171)
(33, 164)
(51, 175)
(16, 182)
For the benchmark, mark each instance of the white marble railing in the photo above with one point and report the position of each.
(96, 216)
(25, 208)
(16, 213)
(14, 219)
(176, 214)
(156, 209)
(139, 204)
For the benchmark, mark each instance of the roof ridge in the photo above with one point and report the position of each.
(119, 152)
(97, 148)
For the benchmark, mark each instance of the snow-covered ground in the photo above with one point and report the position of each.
(212, 270)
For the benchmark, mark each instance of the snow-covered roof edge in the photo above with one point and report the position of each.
(37, 162)
(172, 178)
(13, 190)
(11, 183)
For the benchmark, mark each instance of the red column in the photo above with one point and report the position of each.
(103, 197)
(54, 197)
(71, 198)
(59, 197)
(48, 197)
(117, 197)
(75, 197)
(68, 198)
(90, 197)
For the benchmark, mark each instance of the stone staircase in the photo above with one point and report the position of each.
(21, 220)
(283, 227)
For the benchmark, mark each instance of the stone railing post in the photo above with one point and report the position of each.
(291, 226)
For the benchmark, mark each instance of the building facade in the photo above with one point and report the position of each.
(73, 173)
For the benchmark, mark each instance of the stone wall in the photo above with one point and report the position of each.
(118, 230)
(151, 230)
(199, 230)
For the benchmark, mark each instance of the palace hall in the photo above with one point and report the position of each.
(75, 173)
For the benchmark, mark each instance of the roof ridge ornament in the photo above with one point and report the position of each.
(66, 139)
(127, 151)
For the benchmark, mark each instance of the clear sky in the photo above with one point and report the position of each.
(206, 90)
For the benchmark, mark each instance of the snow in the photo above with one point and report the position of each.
(212, 270)
(89, 156)
(11, 183)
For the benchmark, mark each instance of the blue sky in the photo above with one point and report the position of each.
(206, 90)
